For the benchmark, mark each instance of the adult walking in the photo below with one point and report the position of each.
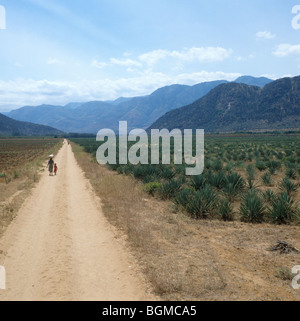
(51, 165)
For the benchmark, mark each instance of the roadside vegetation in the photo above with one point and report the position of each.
(253, 179)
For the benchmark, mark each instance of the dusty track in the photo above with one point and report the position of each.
(60, 246)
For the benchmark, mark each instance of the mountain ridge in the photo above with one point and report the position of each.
(239, 107)
(11, 127)
(140, 112)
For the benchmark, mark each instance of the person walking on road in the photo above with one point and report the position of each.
(55, 169)
(50, 166)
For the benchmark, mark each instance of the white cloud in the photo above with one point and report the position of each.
(18, 65)
(23, 92)
(202, 54)
(204, 76)
(125, 62)
(241, 58)
(265, 35)
(178, 58)
(54, 61)
(270, 76)
(152, 57)
(287, 76)
(285, 49)
(98, 64)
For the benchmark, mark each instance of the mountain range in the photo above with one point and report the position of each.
(238, 107)
(11, 127)
(140, 112)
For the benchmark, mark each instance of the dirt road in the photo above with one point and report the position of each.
(60, 246)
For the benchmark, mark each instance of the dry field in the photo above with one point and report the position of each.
(18, 151)
(21, 162)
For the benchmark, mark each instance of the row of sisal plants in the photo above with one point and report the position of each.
(235, 171)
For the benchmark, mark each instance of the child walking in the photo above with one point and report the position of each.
(55, 169)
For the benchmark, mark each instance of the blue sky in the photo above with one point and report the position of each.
(58, 51)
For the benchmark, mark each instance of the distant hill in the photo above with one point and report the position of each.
(140, 112)
(253, 81)
(73, 105)
(239, 107)
(11, 127)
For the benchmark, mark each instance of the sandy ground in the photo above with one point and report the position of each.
(60, 246)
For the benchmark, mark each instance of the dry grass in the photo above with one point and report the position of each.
(20, 183)
(186, 259)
